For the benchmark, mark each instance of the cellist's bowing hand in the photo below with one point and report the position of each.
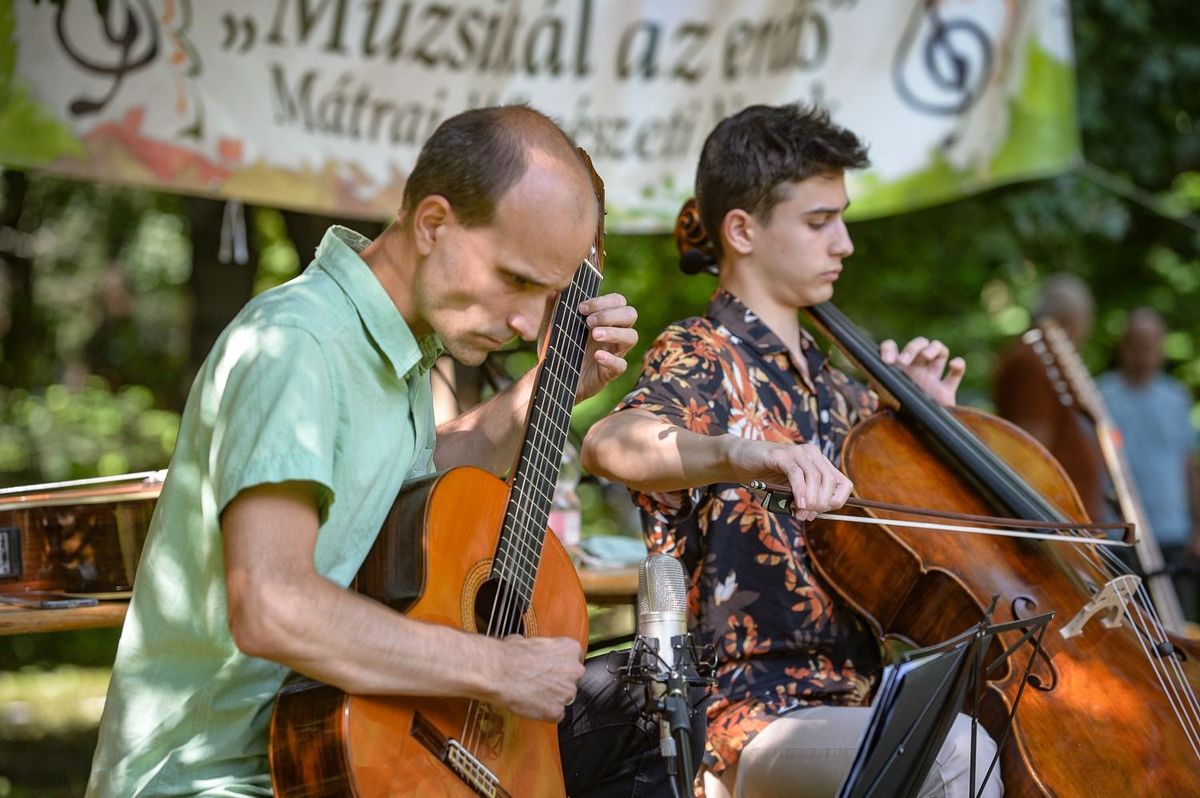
(817, 486)
(929, 365)
(537, 676)
(610, 321)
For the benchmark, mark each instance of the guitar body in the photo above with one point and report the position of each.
(433, 562)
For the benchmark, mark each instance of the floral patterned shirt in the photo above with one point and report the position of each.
(781, 639)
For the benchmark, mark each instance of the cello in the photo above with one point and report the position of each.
(1111, 707)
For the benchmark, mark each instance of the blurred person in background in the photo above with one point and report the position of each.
(1152, 411)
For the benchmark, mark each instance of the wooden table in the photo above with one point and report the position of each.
(18, 620)
(609, 585)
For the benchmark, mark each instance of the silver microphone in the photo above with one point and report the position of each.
(667, 674)
(662, 605)
(662, 615)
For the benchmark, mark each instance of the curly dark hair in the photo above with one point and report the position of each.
(750, 155)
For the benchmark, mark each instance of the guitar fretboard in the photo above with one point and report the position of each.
(520, 548)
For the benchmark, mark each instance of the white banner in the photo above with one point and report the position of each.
(323, 105)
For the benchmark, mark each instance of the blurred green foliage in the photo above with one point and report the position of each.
(48, 730)
(90, 431)
(278, 261)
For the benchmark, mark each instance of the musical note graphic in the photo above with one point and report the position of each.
(132, 34)
(942, 65)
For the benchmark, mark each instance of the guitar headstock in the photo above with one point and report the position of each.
(596, 257)
(1065, 369)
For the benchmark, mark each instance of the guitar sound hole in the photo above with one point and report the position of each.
(499, 611)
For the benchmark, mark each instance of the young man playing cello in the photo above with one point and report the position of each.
(311, 412)
(743, 393)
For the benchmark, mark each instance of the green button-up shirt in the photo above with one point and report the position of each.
(318, 380)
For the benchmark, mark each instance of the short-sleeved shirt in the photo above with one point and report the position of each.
(781, 638)
(318, 380)
(1159, 441)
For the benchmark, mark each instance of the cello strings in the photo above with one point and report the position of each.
(1146, 627)
(1149, 634)
(1144, 622)
(1175, 689)
(1182, 698)
(972, 452)
(1180, 694)
(967, 444)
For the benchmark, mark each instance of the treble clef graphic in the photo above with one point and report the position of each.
(956, 56)
(123, 41)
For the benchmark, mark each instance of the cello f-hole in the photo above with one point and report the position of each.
(1024, 604)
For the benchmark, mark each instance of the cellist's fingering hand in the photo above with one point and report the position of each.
(816, 484)
(928, 364)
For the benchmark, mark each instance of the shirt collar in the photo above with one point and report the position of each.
(338, 256)
(728, 311)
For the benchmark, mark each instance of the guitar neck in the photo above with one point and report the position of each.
(520, 548)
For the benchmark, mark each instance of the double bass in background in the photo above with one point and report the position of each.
(464, 549)
(1110, 708)
(1075, 388)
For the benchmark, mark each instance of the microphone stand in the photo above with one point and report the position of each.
(671, 708)
(675, 713)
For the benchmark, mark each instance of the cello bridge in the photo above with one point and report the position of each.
(1109, 604)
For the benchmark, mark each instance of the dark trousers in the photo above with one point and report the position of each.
(608, 747)
(1183, 570)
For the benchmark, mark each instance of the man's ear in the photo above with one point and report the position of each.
(737, 230)
(430, 215)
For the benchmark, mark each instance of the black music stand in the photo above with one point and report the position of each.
(917, 702)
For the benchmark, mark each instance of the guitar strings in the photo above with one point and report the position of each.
(519, 553)
(511, 563)
(508, 565)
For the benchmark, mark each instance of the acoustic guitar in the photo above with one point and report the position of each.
(464, 549)
(1075, 388)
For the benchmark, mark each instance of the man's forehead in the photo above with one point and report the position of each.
(540, 250)
(554, 207)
